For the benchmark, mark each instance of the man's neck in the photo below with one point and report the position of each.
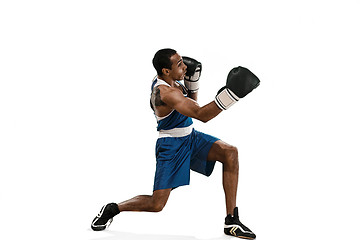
(168, 80)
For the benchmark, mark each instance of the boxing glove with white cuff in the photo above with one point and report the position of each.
(192, 75)
(240, 82)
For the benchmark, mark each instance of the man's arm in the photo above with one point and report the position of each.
(175, 99)
(193, 95)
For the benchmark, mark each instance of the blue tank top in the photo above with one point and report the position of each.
(174, 119)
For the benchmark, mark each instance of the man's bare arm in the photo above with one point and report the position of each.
(175, 99)
(193, 95)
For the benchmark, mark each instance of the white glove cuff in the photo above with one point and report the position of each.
(225, 99)
(192, 86)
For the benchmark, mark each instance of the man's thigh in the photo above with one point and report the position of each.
(218, 150)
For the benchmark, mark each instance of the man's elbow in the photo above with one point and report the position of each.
(203, 118)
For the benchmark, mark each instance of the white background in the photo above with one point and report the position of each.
(76, 129)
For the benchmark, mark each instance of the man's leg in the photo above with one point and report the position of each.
(146, 203)
(228, 156)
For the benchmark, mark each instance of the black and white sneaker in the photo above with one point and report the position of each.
(105, 217)
(235, 228)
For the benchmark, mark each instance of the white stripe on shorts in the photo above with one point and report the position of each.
(176, 132)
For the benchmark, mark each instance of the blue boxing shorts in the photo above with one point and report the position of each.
(175, 156)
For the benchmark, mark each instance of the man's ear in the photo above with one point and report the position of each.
(165, 71)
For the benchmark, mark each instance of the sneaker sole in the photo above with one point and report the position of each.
(243, 237)
(230, 231)
(101, 227)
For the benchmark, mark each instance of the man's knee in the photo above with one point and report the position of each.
(231, 156)
(159, 199)
(158, 206)
(231, 151)
(223, 152)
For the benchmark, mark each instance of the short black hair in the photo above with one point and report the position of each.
(162, 59)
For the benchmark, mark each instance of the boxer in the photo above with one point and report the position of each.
(179, 147)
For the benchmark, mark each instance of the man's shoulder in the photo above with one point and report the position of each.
(164, 89)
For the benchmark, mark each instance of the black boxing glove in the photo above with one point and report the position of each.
(240, 82)
(192, 75)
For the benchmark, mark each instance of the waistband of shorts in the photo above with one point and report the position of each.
(176, 132)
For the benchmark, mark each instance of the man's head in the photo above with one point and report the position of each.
(168, 62)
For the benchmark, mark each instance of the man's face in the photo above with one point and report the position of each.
(178, 68)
